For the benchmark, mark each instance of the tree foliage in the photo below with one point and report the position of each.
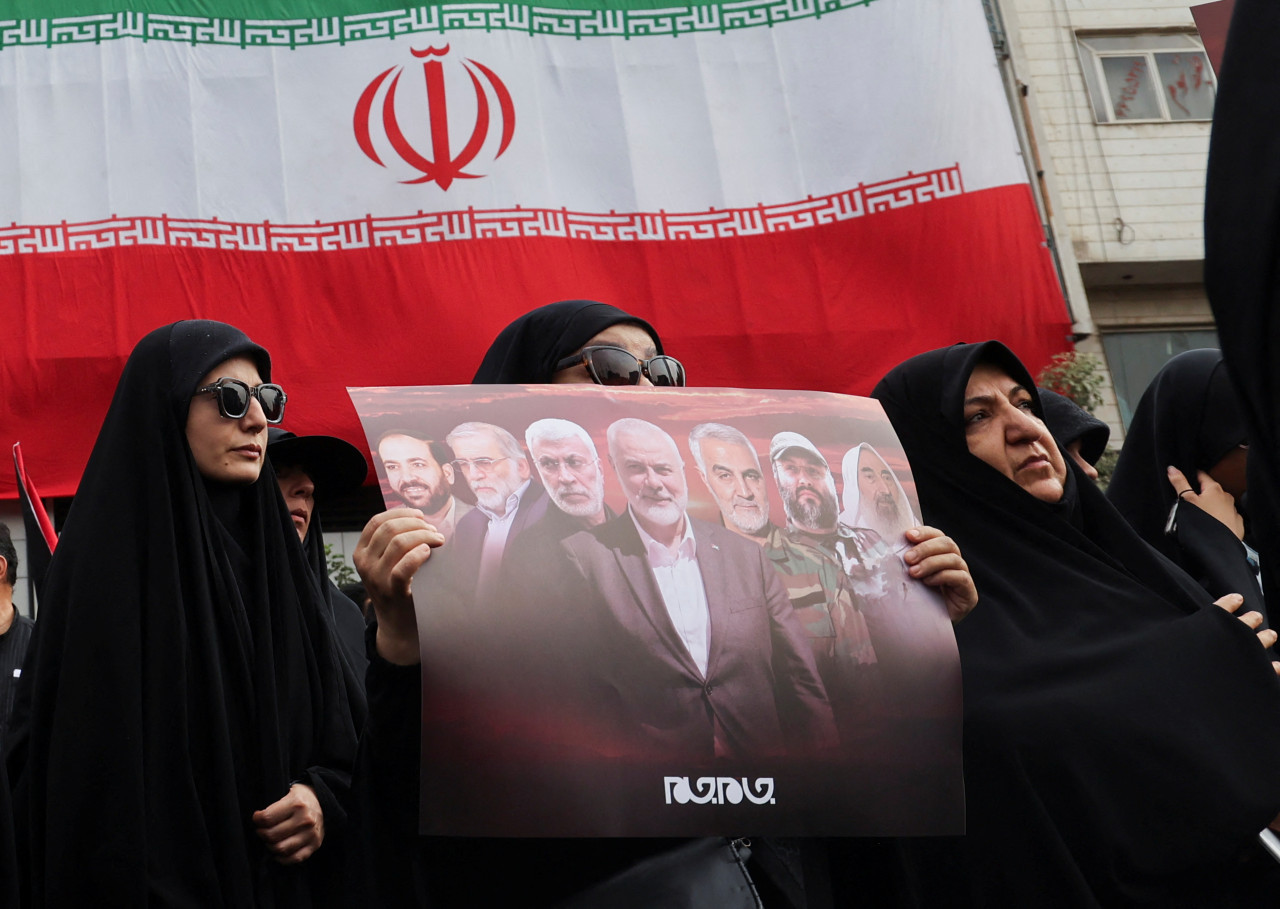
(1074, 375)
(339, 571)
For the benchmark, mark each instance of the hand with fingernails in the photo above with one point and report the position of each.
(1211, 498)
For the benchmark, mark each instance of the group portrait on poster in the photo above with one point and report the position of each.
(666, 613)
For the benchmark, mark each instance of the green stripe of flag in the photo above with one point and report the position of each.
(301, 23)
(273, 9)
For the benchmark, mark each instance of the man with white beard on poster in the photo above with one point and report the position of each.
(567, 462)
(912, 642)
(569, 466)
(874, 498)
(507, 503)
(693, 634)
(730, 468)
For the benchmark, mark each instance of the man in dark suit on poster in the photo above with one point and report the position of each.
(695, 648)
(508, 502)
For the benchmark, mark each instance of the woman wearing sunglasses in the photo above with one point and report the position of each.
(578, 342)
(573, 341)
(190, 727)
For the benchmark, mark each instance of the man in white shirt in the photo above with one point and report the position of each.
(507, 502)
(692, 633)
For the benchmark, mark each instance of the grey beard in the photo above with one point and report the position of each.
(890, 523)
(753, 527)
(585, 510)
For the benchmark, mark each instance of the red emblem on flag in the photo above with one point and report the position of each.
(438, 163)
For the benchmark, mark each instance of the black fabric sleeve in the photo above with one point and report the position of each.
(1213, 555)
(387, 862)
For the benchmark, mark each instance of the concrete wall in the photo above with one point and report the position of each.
(1126, 200)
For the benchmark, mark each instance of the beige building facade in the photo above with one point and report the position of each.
(1113, 100)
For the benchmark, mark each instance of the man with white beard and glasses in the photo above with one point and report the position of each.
(507, 502)
(421, 472)
(730, 468)
(662, 585)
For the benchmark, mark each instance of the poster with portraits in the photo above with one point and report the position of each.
(676, 612)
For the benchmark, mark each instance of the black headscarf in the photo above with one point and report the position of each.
(529, 348)
(409, 870)
(344, 612)
(1121, 737)
(332, 464)
(1068, 421)
(183, 673)
(1189, 417)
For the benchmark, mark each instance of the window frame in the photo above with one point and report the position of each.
(1095, 78)
(1133, 365)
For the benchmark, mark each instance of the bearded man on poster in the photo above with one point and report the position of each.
(694, 636)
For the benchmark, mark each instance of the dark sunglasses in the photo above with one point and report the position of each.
(608, 365)
(233, 398)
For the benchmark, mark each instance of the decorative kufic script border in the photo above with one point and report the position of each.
(474, 224)
(489, 17)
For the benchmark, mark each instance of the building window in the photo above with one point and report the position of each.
(1147, 77)
(1134, 358)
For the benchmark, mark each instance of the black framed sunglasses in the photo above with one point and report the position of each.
(233, 398)
(609, 365)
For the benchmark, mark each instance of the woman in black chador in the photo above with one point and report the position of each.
(572, 341)
(1190, 419)
(189, 728)
(1122, 732)
(403, 869)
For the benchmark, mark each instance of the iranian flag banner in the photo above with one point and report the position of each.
(797, 193)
